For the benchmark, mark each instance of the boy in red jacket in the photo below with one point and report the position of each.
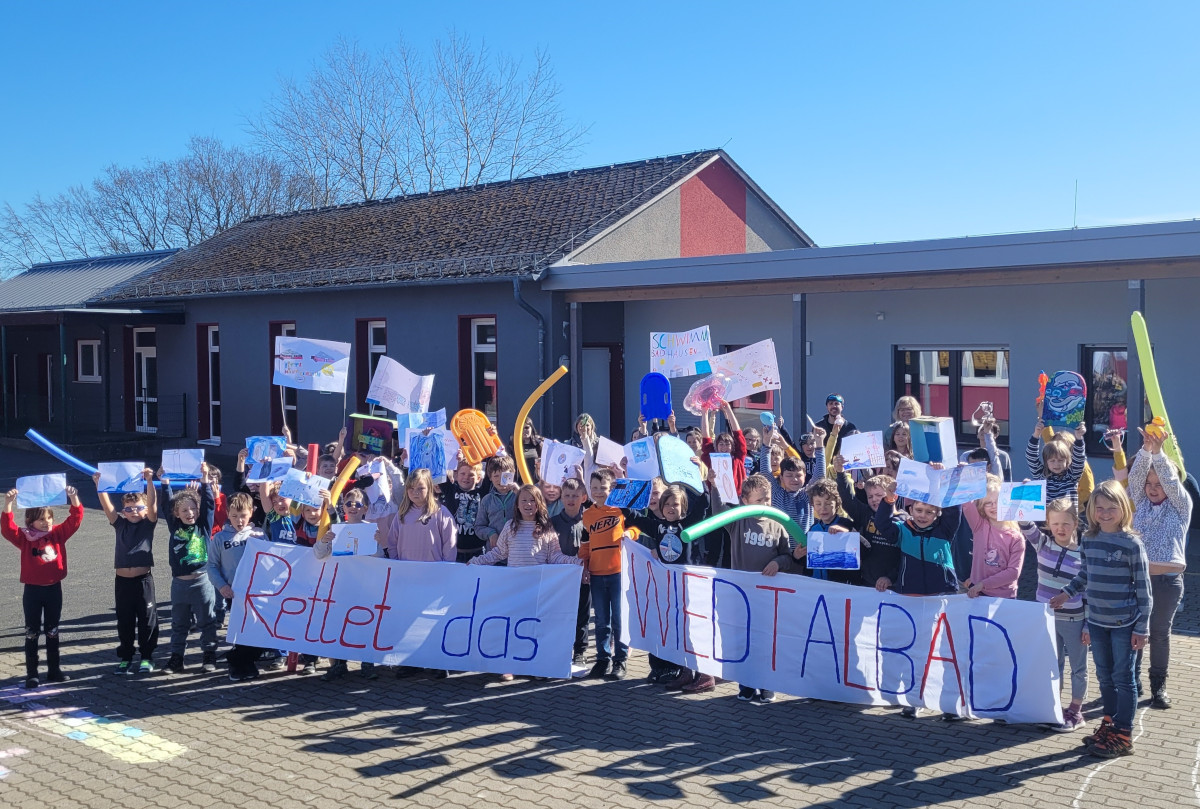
(43, 567)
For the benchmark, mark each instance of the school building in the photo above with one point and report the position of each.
(492, 287)
(953, 322)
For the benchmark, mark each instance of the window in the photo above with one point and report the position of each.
(373, 335)
(145, 380)
(283, 401)
(210, 389)
(14, 386)
(1105, 368)
(956, 383)
(482, 388)
(87, 360)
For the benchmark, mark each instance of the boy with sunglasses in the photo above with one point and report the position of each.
(137, 611)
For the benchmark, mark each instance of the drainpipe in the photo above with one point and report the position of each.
(541, 321)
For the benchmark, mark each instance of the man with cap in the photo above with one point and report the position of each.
(834, 404)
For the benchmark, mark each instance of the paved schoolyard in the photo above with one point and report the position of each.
(471, 741)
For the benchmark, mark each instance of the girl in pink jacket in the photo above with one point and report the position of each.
(999, 547)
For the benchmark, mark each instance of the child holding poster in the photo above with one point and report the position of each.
(137, 612)
(462, 497)
(732, 443)
(1058, 563)
(1057, 462)
(998, 547)
(788, 492)
(496, 508)
(880, 563)
(354, 503)
(189, 522)
(1115, 581)
(43, 549)
(827, 518)
(600, 550)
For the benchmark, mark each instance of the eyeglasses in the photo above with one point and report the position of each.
(804, 439)
(355, 504)
(133, 509)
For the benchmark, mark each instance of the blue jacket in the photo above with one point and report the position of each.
(926, 554)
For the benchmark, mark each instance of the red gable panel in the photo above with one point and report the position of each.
(712, 213)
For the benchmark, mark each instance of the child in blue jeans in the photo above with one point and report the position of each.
(1115, 580)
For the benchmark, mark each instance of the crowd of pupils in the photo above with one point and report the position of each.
(1110, 556)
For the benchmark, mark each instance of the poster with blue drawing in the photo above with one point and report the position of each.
(269, 471)
(427, 450)
(265, 447)
(1022, 502)
(37, 491)
(121, 477)
(641, 460)
(354, 539)
(398, 389)
(301, 487)
(182, 464)
(941, 487)
(631, 494)
(677, 462)
(833, 551)
(321, 365)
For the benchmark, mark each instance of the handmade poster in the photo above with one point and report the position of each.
(559, 462)
(476, 436)
(182, 464)
(265, 447)
(269, 471)
(354, 539)
(379, 493)
(722, 464)
(121, 477)
(398, 389)
(641, 460)
(36, 491)
(833, 551)
(608, 452)
(1065, 400)
(1022, 502)
(322, 365)
(419, 421)
(863, 450)
(676, 462)
(941, 487)
(304, 488)
(504, 620)
(747, 371)
(370, 434)
(980, 657)
(933, 440)
(428, 451)
(655, 390)
(675, 353)
(629, 494)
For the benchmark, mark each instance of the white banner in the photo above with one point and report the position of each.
(399, 389)
(505, 620)
(311, 364)
(983, 657)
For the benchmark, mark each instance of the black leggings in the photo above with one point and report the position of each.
(43, 609)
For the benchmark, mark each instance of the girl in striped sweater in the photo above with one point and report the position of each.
(1058, 563)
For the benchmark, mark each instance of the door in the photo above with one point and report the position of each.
(145, 380)
(46, 387)
(603, 394)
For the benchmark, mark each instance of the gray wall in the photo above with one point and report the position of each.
(422, 335)
(852, 350)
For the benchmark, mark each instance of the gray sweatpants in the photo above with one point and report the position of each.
(193, 597)
(1070, 645)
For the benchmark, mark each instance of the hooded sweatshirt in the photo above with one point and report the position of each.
(225, 551)
(43, 553)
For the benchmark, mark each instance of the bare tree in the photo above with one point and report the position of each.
(363, 126)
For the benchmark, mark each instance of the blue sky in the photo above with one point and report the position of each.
(865, 122)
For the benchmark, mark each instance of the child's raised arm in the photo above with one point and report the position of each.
(67, 528)
(1078, 453)
(110, 513)
(8, 526)
(151, 495)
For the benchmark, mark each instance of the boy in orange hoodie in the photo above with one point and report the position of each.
(600, 550)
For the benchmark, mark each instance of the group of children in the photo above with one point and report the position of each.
(1098, 579)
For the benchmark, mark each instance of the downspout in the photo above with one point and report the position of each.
(541, 321)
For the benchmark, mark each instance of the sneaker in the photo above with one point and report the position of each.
(273, 664)
(236, 676)
(1160, 700)
(765, 697)
(506, 678)
(578, 659)
(909, 712)
(208, 663)
(124, 667)
(147, 666)
(335, 672)
(250, 674)
(746, 693)
(618, 670)
(58, 677)
(701, 685)
(1100, 733)
(1072, 720)
(174, 665)
(599, 669)
(665, 676)
(953, 717)
(1113, 745)
(32, 682)
(309, 668)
